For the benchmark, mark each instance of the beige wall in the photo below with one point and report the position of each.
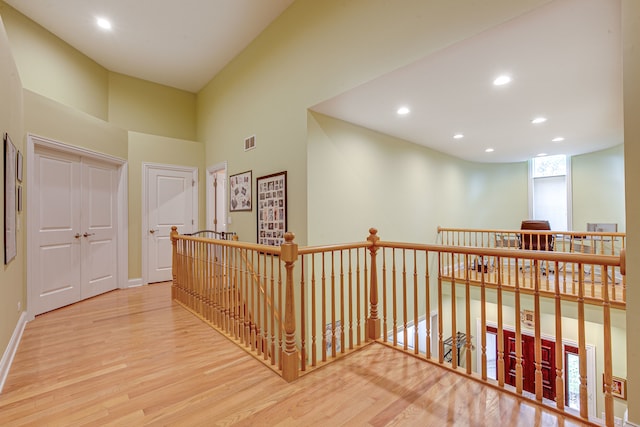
(144, 148)
(50, 67)
(598, 188)
(147, 107)
(631, 70)
(404, 190)
(314, 51)
(12, 276)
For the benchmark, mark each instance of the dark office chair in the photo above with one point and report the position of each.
(530, 240)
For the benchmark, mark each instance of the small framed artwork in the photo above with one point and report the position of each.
(271, 201)
(19, 167)
(10, 193)
(618, 387)
(240, 192)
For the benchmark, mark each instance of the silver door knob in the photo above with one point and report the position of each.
(77, 236)
(153, 231)
(88, 234)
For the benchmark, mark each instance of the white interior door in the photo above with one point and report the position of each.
(57, 230)
(99, 228)
(171, 200)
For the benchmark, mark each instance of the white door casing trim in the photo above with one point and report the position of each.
(145, 208)
(210, 205)
(122, 210)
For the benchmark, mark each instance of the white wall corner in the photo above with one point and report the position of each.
(12, 348)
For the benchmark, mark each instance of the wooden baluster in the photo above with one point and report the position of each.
(281, 292)
(323, 301)
(289, 254)
(314, 325)
(373, 322)
(483, 324)
(174, 261)
(606, 307)
(538, 338)
(245, 301)
(385, 337)
(518, 308)
(265, 308)
(333, 305)
(405, 343)
(582, 349)
(358, 299)
(560, 398)
(427, 304)
(342, 295)
(394, 294)
(303, 317)
(454, 328)
(367, 305)
(468, 345)
(350, 301)
(416, 321)
(500, 361)
(440, 310)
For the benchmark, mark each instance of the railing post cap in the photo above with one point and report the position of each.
(174, 234)
(373, 235)
(289, 236)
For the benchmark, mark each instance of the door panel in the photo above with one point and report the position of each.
(57, 201)
(169, 203)
(548, 365)
(99, 242)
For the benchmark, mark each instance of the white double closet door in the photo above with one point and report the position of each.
(75, 251)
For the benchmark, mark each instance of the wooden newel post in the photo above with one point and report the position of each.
(290, 364)
(373, 322)
(174, 260)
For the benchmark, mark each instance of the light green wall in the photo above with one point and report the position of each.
(48, 118)
(403, 189)
(54, 69)
(313, 51)
(147, 107)
(598, 188)
(631, 71)
(163, 150)
(12, 276)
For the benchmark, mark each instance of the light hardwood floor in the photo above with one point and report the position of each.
(133, 357)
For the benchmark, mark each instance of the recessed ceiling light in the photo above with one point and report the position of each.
(541, 154)
(103, 23)
(558, 139)
(458, 136)
(502, 80)
(489, 150)
(539, 120)
(403, 111)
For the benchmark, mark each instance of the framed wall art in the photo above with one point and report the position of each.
(618, 387)
(10, 162)
(240, 192)
(272, 208)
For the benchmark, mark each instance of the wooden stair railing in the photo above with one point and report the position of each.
(397, 287)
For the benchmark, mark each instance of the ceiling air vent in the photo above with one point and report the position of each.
(250, 143)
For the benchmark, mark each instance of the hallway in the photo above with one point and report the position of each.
(133, 357)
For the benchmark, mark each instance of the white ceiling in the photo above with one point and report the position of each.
(565, 59)
(181, 44)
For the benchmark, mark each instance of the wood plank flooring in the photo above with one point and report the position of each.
(133, 357)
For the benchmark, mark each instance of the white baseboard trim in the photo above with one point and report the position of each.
(134, 283)
(10, 351)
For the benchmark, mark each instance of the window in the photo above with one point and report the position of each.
(550, 191)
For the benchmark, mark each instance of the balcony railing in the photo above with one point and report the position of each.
(470, 309)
